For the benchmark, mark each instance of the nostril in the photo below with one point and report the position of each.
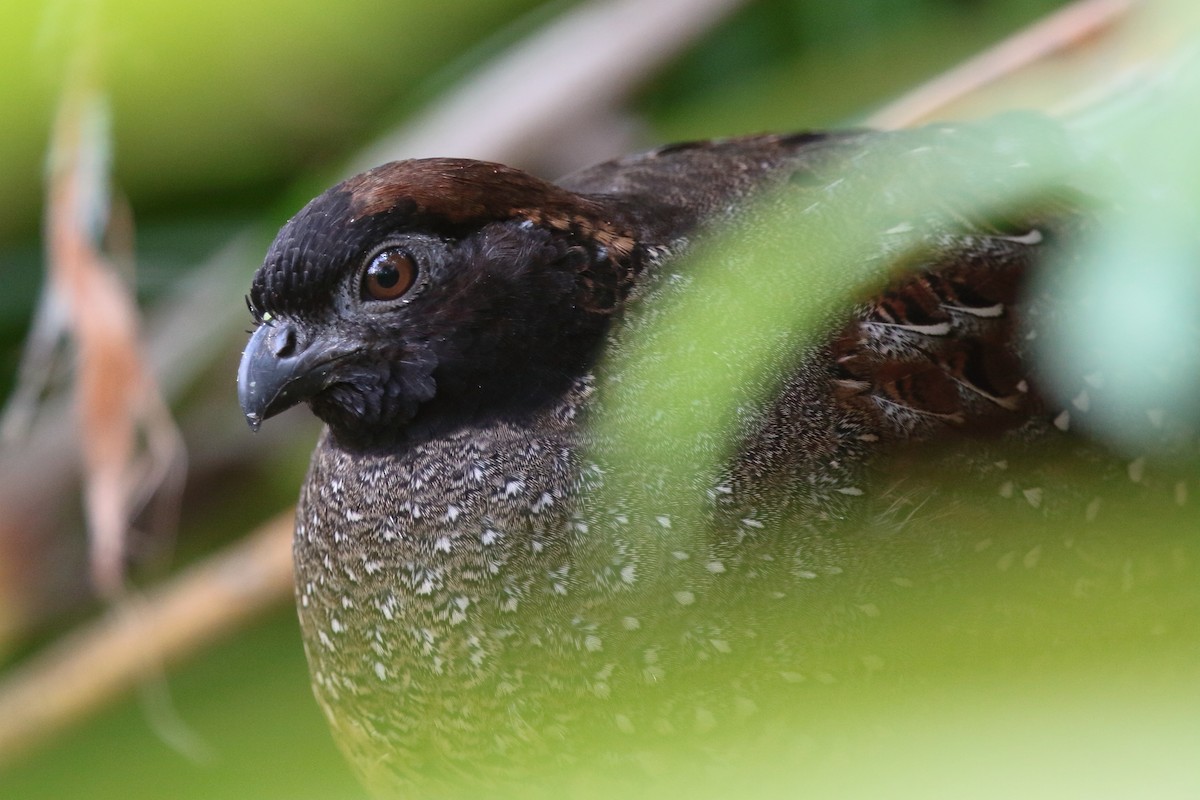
(283, 341)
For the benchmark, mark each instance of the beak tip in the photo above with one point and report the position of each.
(279, 369)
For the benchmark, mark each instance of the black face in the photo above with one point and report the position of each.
(400, 323)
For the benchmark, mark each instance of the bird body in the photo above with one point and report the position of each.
(475, 578)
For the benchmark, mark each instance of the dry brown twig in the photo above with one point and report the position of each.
(105, 658)
(1071, 26)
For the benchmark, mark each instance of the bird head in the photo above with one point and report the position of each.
(432, 293)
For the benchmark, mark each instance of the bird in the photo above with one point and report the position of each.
(484, 579)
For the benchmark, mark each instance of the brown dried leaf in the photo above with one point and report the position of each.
(130, 446)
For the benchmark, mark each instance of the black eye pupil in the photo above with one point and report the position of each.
(385, 275)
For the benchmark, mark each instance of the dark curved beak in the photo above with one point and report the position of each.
(281, 367)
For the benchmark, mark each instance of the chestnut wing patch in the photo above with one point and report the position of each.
(937, 348)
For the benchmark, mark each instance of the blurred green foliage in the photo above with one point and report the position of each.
(1083, 638)
(219, 104)
(788, 65)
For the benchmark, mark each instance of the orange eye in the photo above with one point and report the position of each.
(389, 275)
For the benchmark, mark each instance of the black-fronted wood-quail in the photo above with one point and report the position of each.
(480, 575)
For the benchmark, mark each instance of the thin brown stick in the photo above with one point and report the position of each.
(108, 657)
(1054, 34)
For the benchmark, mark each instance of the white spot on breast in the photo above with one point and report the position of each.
(336, 625)
(1082, 401)
(452, 513)
(593, 644)
(1033, 497)
(853, 491)
(745, 706)
(513, 488)
(1063, 420)
(325, 640)
(489, 536)
(387, 607)
(653, 674)
(381, 671)
(1137, 469)
(442, 544)
(629, 573)
(750, 522)
(664, 521)
(352, 515)
(716, 567)
(631, 623)
(685, 598)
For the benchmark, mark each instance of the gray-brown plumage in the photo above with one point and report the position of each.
(474, 583)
